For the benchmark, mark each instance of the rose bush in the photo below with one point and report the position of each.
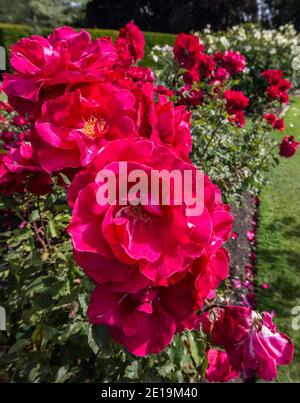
(236, 155)
(84, 107)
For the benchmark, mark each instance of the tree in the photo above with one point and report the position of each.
(171, 15)
(49, 13)
(284, 11)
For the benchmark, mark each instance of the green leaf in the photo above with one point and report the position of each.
(18, 346)
(132, 370)
(53, 229)
(193, 349)
(70, 330)
(100, 335)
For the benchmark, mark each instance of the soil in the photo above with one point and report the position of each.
(242, 251)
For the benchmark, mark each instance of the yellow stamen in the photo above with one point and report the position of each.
(94, 127)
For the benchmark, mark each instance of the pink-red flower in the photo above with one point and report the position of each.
(130, 44)
(233, 62)
(270, 118)
(162, 90)
(144, 321)
(251, 341)
(46, 67)
(19, 171)
(126, 236)
(236, 103)
(278, 86)
(206, 65)
(187, 49)
(190, 96)
(274, 77)
(288, 147)
(219, 369)
(73, 127)
(220, 75)
(173, 127)
(139, 272)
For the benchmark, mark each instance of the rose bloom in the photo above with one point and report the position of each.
(279, 125)
(191, 75)
(219, 369)
(233, 62)
(206, 65)
(274, 77)
(139, 272)
(173, 127)
(130, 44)
(73, 127)
(288, 147)
(285, 85)
(190, 96)
(145, 321)
(157, 258)
(270, 118)
(19, 170)
(251, 341)
(235, 101)
(187, 49)
(19, 121)
(220, 75)
(46, 67)
(162, 90)
(140, 74)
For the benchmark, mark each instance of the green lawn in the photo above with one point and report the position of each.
(279, 244)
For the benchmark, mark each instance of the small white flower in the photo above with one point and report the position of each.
(224, 41)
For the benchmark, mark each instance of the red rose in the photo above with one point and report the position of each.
(288, 146)
(19, 169)
(219, 369)
(279, 125)
(235, 101)
(162, 90)
(273, 76)
(190, 96)
(130, 44)
(250, 340)
(270, 118)
(233, 62)
(173, 127)
(46, 67)
(206, 65)
(187, 49)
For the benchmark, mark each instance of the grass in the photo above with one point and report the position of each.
(279, 244)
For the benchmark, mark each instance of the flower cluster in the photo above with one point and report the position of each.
(278, 86)
(19, 168)
(251, 341)
(92, 110)
(263, 48)
(214, 70)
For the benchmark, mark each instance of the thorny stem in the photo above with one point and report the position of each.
(43, 225)
(218, 124)
(33, 225)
